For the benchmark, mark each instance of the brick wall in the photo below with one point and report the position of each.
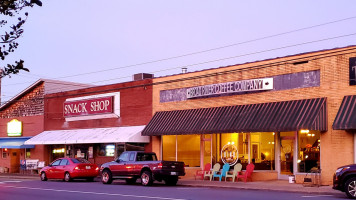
(29, 105)
(135, 106)
(336, 146)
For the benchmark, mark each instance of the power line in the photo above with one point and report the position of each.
(205, 51)
(242, 55)
(258, 66)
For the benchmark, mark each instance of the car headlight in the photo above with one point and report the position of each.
(342, 169)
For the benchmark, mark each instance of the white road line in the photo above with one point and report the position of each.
(314, 196)
(11, 181)
(97, 193)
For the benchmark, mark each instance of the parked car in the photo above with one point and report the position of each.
(132, 165)
(68, 169)
(345, 180)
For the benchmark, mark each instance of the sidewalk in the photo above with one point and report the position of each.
(277, 185)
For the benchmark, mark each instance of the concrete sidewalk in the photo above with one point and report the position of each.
(277, 185)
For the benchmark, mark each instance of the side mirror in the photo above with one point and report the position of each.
(118, 160)
(49, 165)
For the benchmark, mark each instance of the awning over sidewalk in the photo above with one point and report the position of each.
(15, 143)
(95, 135)
(346, 116)
(266, 117)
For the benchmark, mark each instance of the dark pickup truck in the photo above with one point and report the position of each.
(132, 165)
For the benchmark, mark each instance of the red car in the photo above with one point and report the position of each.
(68, 169)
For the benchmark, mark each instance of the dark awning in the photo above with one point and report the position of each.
(15, 143)
(266, 117)
(346, 117)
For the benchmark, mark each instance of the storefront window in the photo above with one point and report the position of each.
(106, 150)
(4, 153)
(169, 147)
(188, 150)
(262, 150)
(27, 153)
(309, 150)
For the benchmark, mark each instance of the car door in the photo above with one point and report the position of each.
(119, 167)
(51, 171)
(62, 168)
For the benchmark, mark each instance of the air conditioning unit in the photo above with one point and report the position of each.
(141, 76)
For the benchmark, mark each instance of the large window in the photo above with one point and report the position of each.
(184, 148)
(308, 150)
(221, 148)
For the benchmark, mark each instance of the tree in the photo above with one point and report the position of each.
(8, 43)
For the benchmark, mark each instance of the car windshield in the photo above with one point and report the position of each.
(79, 160)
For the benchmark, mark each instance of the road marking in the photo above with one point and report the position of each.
(2, 182)
(314, 196)
(97, 193)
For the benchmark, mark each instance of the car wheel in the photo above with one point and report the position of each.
(350, 188)
(146, 178)
(67, 177)
(131, 181)
(106, 177)
(171, 180)
(43, 176)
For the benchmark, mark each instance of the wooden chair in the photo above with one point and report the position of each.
(233, 174)
(221, 174)
(249, 169)
(201, 173)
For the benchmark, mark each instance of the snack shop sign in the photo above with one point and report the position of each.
(85, 107)
(230, 87)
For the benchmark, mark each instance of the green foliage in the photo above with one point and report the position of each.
(10, 33)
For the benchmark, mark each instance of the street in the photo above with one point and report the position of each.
(33, 189)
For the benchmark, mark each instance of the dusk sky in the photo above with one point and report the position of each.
(105, 42)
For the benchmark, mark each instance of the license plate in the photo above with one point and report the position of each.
(87, 167)
(173, 173)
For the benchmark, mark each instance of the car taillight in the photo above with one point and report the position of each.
(76, 168)
(97, 169)
(160, 165)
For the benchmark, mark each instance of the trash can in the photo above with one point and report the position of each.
(291, 179)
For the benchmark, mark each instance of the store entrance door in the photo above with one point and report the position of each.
(287, 143)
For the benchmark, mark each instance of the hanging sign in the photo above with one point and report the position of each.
(86, 107)
(14, 128)
(230, 87)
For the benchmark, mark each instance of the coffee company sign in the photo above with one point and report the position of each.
(230, 87)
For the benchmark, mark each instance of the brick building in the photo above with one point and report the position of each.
(278, 113)
(97, 123)
(21, 118)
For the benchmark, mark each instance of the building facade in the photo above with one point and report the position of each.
(278, 113)
(96, 123)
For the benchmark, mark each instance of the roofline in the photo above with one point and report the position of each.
(22, 93)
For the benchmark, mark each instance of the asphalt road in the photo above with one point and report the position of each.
(33, 189)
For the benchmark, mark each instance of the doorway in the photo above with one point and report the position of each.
(286, 154)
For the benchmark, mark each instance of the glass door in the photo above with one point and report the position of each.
(287, 141)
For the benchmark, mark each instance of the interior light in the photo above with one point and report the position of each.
(304, 131)
(233, 142)
(306, 156)
(318, 140)
(228, 143)
(309, 134)
(299, 161)
(5, 149)
(313, 135)
(272, 142)
(273, 133)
